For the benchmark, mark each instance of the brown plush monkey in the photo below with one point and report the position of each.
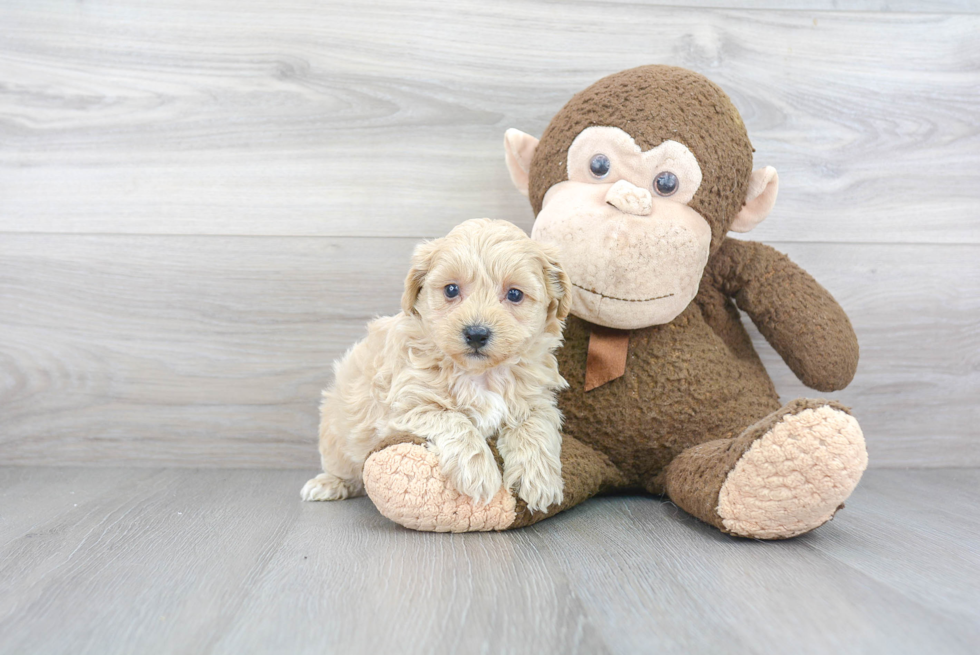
(637, 180)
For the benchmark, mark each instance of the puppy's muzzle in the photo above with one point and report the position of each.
(476, 336)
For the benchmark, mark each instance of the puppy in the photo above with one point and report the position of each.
(470, 356)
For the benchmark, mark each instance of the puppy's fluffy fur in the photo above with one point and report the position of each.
(415, 372)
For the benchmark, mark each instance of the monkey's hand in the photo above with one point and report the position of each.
(797, 316)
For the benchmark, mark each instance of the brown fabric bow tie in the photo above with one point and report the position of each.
(606, 360)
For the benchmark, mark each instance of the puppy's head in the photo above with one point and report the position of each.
(486, 292)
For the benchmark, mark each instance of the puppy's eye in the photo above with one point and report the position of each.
(599, 166)
(666, 183)
(515, 295)
(451, 290)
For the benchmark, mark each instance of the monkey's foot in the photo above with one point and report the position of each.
(795, 476)
(406, 484)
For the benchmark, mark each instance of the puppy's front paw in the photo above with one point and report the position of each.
(472, 470)
(539, 484)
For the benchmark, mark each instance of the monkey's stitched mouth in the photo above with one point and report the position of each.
(602, 295)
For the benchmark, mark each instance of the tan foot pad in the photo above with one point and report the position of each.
(407, 486)
(794, 477)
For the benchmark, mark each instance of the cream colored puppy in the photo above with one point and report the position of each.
(470, 356)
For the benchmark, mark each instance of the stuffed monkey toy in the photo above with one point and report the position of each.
(637, 181)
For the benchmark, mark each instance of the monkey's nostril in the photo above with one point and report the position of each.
(632, 208)
(476, 336)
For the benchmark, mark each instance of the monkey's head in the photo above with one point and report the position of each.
(636, 181)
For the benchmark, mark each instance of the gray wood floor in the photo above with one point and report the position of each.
(128, 560)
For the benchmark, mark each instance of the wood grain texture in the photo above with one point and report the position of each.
(386, 118)
(211, 351)
(181, 561)
(686, 596)
(915, 6)
(192, 351)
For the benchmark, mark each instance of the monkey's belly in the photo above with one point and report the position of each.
(683, 386)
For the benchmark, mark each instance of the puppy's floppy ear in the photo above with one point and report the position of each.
(559, 287)
(421, 263)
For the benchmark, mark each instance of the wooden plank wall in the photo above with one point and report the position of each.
(201, 203)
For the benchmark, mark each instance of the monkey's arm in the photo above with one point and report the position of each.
(797, 316)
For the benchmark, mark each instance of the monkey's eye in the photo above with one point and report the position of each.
(451, 290)
(600, 166)
(515, 295)
(666, 183)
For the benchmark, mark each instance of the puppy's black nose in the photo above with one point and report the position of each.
(476, 336)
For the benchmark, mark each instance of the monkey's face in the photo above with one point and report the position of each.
(632, 247)
(637, 180)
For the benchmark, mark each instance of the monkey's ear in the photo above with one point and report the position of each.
(421, 263)
(759, 201)
(518, 151)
